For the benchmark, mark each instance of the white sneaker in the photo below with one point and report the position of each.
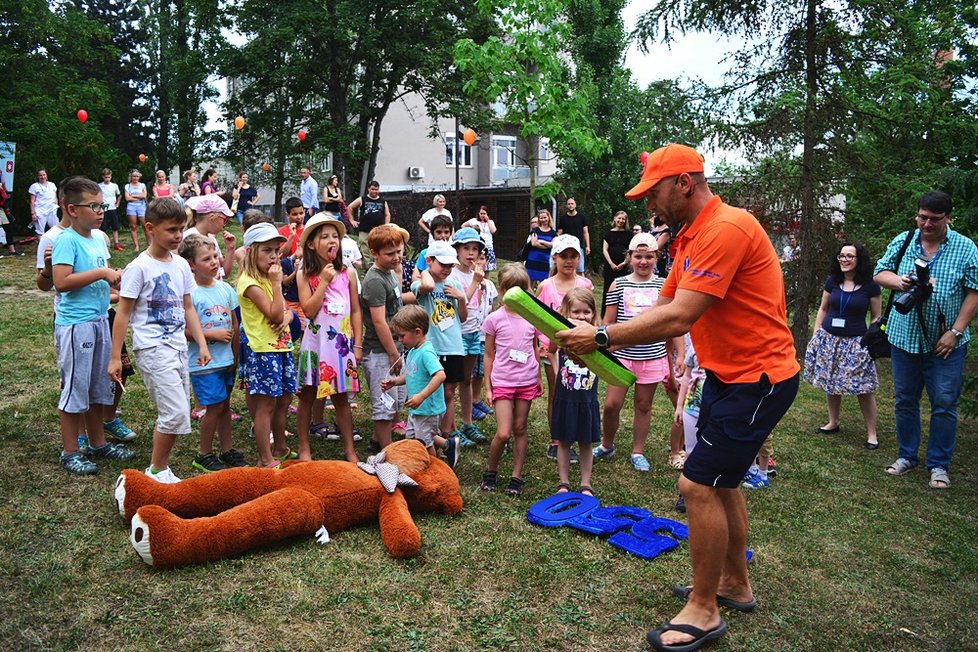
(165, 476)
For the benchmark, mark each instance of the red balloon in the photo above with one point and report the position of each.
(301, 135)
(82, 115)
(266, 167)
(644, 157)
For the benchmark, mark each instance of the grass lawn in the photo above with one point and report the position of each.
(846, 557)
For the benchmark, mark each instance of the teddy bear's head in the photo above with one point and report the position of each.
(438, 487)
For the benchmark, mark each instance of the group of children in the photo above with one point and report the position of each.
(417, 346)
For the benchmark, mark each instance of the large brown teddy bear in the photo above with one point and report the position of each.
(229, 512)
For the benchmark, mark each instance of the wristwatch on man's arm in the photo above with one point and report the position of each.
(958, 334)
(601, 337)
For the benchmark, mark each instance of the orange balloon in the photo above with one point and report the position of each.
(142, 158)
(266, 167)
(469, 136)
(239, 122)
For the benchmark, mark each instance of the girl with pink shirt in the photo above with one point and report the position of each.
(512, 380)
(566, 256)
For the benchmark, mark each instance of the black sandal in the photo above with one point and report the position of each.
(586, 490)
(515, 487)
(488, 481)
(563, 485)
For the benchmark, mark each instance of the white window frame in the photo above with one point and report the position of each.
(450, 150)
(507, 143)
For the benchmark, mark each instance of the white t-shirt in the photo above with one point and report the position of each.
(158, 287)
(430, 215)
(45, 197)
(473, 323)
(110, 194)
(483, 229)
(351, 254)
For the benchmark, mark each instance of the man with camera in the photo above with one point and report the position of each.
(938, 278)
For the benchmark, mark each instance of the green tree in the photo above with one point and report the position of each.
(42, 88)
(521, 71)
(349, 61)
(631, 119)
(185, 41)
(804, 97)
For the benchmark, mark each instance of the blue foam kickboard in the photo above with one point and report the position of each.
(559, 509)
(651, 527)
(646, 548)
(608, 520)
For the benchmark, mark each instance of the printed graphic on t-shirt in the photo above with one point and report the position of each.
(576, 378)
(443, 314)
(638, 300)
(165, 306)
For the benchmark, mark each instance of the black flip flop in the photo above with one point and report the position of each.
(827, 431)
(682, 592)
(701, 636)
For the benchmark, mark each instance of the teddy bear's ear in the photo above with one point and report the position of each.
(409, 455)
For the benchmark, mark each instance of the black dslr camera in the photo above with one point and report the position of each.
(919, 291)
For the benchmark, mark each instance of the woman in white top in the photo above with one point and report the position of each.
(431, 213)
(486, 227)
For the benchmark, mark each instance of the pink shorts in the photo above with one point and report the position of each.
(527, 393)
(648, 372)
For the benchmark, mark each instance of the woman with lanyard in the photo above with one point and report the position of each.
(835, 361)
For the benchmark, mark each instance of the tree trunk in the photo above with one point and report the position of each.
(802, 277)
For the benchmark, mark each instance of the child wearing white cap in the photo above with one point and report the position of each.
(628, 297)
(443, 298)
(566, 254)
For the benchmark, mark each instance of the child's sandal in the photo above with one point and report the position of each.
(586, 490)
(515, 487)
(563, 487)
(488, 481)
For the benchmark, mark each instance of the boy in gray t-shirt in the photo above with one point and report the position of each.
(380, 299)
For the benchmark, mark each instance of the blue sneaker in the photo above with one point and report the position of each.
(755, 481)
(482, 406)
(110, 451)
(78, 464)
(463, 440)
(640, 463)
(453, 450)
(118, 430)
(477, 414)
(472, 433)
(601, 453)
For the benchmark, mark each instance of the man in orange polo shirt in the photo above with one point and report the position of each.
(726, 290)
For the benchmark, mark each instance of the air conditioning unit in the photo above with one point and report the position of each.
(415, 173)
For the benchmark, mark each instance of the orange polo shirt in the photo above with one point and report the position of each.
(726, 253)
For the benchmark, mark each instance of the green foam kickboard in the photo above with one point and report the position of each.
(547, 321)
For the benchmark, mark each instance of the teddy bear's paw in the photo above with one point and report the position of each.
(139, 538)
(120, 496)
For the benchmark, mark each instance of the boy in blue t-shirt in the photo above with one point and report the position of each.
(423, 374)
(444, 300)
(215, 302)
(80, 273)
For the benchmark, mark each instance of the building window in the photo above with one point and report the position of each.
(504, 151)
(454, 146)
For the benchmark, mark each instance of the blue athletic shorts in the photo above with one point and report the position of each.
(472, 343)
(213, 387)
(735, 419)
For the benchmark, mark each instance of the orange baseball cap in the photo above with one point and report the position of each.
(665, 162)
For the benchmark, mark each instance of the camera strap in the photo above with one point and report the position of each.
(899, 258)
